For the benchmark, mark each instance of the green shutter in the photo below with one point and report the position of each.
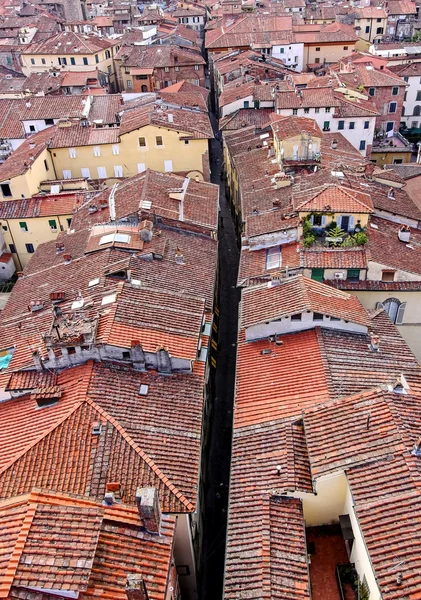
(23, 225)
(52, 223)
(353, 274)
(317, 274)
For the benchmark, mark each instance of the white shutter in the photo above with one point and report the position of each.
(86, 173)
(72, 152)
(351, 223)
(67, 174)
(323, 220)
(312, 219)
(168, 166)
(339, 221)
(116, 149)
(401, 312)
(141, 167)
(102, 173)
(97, 151)
(118, 171)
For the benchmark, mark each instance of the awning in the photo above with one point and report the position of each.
(138, 71)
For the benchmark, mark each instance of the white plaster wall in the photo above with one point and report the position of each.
(359, 554)
(39, 125)
(184, 555)
(396, 218)
(285, 325)
(327, 504)
(414, 86)
(236, 105)
(375, 269)
(273, 239)
(289, 54)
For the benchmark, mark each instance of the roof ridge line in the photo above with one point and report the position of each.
(151, 464)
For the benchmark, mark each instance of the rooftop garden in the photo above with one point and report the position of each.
(333, 236)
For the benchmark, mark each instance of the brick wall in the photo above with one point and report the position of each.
(383, 96)
(185, 72)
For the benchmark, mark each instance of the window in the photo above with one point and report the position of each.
(32, 61)
(4, 227)
(102, 172)
(141, 167)
(72, 152)
(372, 91)
(397, 161)
(395, 91)
(116, 149)
(317, 274)
(96, 58)
(379, 20)
(5, 190)
(317, 60)
(9, 60)
(168, 166)
(366, 124)
(345, 47)
(414, 124)
(49, 121)
(159, 141)
(85, 60)
(12, 248)
(97, 151)
(327, 109)
(85, 172)
(406, 79)
(186, 142)
(72, 60)
(417, 110)
(107, 54)
(166, 69)
(67, 174)
(418, 96)
(317, 110)
(53, 224)
(367, 29)
(118, 171)
(176, 68)
(62, 61)
(295, 111)
(388, 275)
(30, 248)
(341, 124)
(142, 142)
(318, 221)
(196, 67)
(306, 111)
(296, 317)
(273, 258)
(390, 125)
(317, 49)
(352, 124)
(362, 145)
(282, 50)
(392, 107)
(32, 129)
(317, 317)
(246, 104)
(395, 310)
(23, 226)
(379, 31)
(326, 126)
(353, 275)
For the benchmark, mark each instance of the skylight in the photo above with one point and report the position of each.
(93, 282)
(109, 238)
(146, 204)
(143, 391)
(77, 304)
(106, 239)
(109, 299)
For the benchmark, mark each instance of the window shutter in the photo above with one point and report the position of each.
(339, 221)
(351, 222)
(323, 220)
(401, 312)
(312, 219)
(379, 305)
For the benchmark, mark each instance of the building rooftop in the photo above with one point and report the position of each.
(69, 42)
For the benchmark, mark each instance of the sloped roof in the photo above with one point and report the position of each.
(336, 198)
(69, 42)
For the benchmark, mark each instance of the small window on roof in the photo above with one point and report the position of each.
(317, 317)
(273, 258)
(109, 299)
(93, 282)
(122, 237)
(143, 390)
(106, 239)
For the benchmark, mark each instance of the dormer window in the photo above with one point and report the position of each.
(296, 317)
(317, 317)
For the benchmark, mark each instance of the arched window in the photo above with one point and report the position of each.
(417, 111)
(395, 309)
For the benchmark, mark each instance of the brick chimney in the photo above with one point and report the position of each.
(369, 170)
(146, 231)
(149, 511)
(137, 355)
(136, 587)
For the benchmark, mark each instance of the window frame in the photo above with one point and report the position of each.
(273, 258)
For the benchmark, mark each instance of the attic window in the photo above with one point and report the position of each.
(143, 390)
(109, 299)
(317, 317)
(123, 238)
(273, 258)
(93, 282)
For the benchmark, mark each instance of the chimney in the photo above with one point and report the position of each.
(136, 587)
(369, 170)
(404, 234)
(374, 342)
(146, 230)
(334, 145)
(164, 361)
(37, 360)
(67, 258)
(59, 247)
(31, 145)
(179, 257)
(137, 356)
(391, 194)
(149, 511)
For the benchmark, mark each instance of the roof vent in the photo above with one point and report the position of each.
(266, 351)
(109, 499)
(146, 230)
(96, 428)
(400, 386)
(92, 208)
(374, 342)
(417, 448)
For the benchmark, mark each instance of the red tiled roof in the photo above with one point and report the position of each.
(386, 249)
(39, 206)
(337, 198)
(296, 295)
(335, 259)
(307, 98)
(285, 127)
(68, 42)
(253, 264)
(20, 160)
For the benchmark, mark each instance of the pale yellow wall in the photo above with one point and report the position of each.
(372, 23)
(184, 157)
(386, 158)
(330, 273)
(363, 218)
(39, 231)
(326, 506)
(329, 52)
(28, 183)
(290, 143)
(51, 60)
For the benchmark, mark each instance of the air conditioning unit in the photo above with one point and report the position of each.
(339, 275)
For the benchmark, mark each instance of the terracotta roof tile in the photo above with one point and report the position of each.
(338, 198)
(75, 42)
(386, 249)
(335, 259)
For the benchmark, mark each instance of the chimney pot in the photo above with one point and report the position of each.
(374, 342)
(136, 587)
(37, 360)
(67, 258)
(149, 511)
(109, 499)
(146, 230)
